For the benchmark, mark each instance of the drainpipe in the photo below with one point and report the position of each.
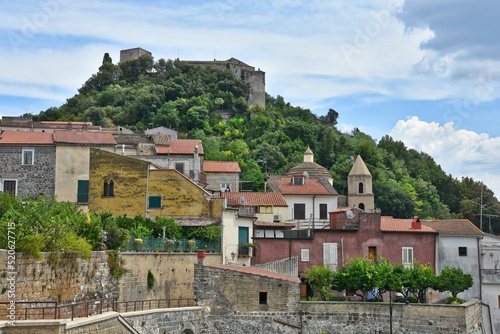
(342, 251)
(479, 266)
(314, 207)
(147, 190)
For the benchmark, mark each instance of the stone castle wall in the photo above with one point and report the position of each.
(63, 278)
(314, 318)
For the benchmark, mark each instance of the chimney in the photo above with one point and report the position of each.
(196, 165)
(201, 254)
(416, 224)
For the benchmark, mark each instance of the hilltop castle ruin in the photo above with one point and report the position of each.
(255, 78)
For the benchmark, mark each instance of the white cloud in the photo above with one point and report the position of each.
(458, 152)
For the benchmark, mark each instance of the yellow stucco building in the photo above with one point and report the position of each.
(124, 185)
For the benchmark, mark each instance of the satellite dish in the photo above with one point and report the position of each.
(306, 174)
(242, 199)
(349, 214)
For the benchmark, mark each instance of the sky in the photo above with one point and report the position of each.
(425, 72)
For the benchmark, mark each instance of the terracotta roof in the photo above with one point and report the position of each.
(283, 184)
(255, 271)
(221, 167)
(453, 227)
(132, 139)
(66, 123)
(391, 224)
(254, 198)
(84, 138)
(194, 222)
(181, 146)
(21, 137)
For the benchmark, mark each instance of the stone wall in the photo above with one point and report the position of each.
(313, 318)
(174, 275)
(32, 180)
(226, 289)
(59, 277)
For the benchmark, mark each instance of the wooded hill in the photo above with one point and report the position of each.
(144, 93)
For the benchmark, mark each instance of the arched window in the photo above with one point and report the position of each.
(361, 206)
(109, 188)
(360, 188)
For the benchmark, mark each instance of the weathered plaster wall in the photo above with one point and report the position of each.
(130, 178)
(181, 197)
(72, 164)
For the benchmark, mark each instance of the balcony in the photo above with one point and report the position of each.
(246, 211)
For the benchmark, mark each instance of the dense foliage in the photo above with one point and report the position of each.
(145, 93)
(45, 225)
(370, 278)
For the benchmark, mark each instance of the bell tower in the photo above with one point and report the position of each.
(359, 187)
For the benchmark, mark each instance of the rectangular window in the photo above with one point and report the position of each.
(408, 257)
(263, 297)
(179, 166)
(298, 181)
(10, 186)
(330, 257)
(462, 251)
(243, 238)
(304, 255)
(109, 188)
(225, 187)
(155, 202)
(28, 156)
(82, 195)
(323, 211)
(372, 253)
(299, 211)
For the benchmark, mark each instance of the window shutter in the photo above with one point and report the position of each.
(330, 256)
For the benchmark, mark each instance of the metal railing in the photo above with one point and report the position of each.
(172, 245)
(39, 310)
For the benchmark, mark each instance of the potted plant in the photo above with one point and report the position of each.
(191, 244)
(169, 243)
(137, 244)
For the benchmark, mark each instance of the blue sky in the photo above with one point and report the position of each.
(425, 72)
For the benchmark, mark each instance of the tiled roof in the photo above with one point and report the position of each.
(221, 167)
(453, 227)
(283, 184)
(132, 139)
(255, 271)
(21, 137)
(391, 224)
(313, 169)
(194, 222)
(181, 146)
(234, 199)
(84, 138)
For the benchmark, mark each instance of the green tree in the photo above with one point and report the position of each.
(453, 280)
(320, 279)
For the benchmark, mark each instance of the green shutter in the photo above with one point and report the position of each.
(155, 202)
(83, 191)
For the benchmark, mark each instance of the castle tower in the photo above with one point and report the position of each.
(359, 187)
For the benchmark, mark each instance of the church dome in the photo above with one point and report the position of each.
(312, 169)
